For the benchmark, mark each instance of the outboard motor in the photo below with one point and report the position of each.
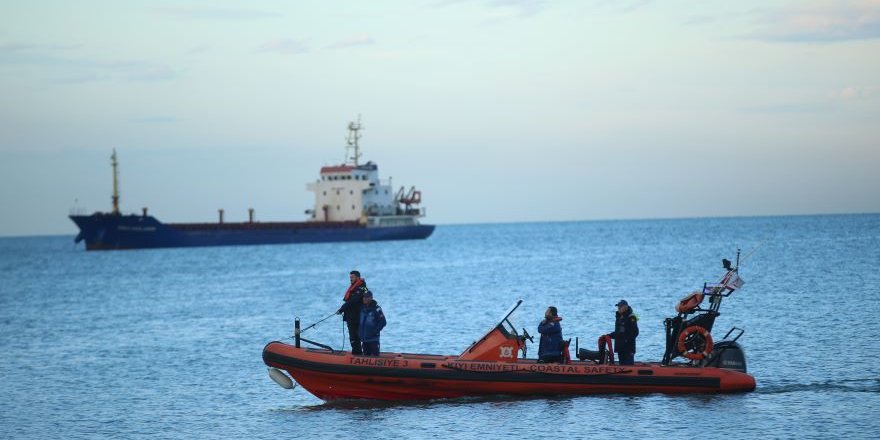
(727, 354)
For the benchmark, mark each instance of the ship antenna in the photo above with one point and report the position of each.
(352, 141)
(115, 183)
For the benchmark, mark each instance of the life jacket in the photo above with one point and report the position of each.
(352, 288)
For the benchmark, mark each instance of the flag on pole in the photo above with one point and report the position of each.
(732, 281)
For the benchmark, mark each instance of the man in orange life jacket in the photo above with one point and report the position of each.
(351, 309)
(626, 329)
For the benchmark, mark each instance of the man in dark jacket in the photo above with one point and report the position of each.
(550, 348)
(626, 329)
(372, 321)
(351, 309)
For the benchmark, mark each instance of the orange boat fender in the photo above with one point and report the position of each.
(699, 355)
(689, 303)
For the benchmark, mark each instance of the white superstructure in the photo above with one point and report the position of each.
(354, 192)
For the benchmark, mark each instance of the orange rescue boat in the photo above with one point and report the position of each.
(492, 366)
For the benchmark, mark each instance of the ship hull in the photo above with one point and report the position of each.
(111, 232)
(396, 376)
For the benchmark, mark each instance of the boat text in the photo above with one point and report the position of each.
(536, 368)
(379, 362)
(479, 366)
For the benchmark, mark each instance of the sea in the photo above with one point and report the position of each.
(167, 343)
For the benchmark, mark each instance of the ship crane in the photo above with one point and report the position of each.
(413, 197)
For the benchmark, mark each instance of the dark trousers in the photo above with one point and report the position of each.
(626, 358)
(353, 337)
(550, 359)
(371, 348)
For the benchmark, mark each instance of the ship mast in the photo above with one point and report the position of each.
(352, 142)
(115, 183)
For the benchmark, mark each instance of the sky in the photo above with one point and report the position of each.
(497, 110)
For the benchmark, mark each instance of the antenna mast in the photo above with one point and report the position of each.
(352, 142)
(115, 183)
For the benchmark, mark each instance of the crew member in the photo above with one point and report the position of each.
(626, 329)
(351, 309)
(372, 321)
(550, 348)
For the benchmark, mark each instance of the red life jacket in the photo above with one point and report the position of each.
(351, 288)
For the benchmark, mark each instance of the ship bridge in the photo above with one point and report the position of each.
(354, 192)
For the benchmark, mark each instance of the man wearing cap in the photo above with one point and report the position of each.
(351, 309)
(372, 321)
(626, 329)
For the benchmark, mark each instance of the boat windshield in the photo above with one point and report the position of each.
(507, 315)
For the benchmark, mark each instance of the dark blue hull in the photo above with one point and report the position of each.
(108, 231)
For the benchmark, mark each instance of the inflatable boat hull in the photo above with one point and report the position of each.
(332, 375)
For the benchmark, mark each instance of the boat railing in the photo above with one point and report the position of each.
(298, 338)
(77, 211)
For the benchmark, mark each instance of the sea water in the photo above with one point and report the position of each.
(167, 343)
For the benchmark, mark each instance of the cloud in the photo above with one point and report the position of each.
(833, 101)
(286, 46)
(64, 68)
(821, 21)
(854, 93)
(354, 41)
(81, 78)
(516, 8)
(151, 73)
(153, 120)
(699, 20)
(22, 47)
(37, 54)
(522, 8)
(199, 49)
(215, 13)
(623, 7)
(802, 107)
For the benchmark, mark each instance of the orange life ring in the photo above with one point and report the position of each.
(696, 356)
(689, 303)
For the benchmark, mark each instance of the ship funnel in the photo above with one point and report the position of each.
(251, 215)
(145, 211)
(220, 211)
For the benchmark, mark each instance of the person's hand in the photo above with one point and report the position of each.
(339, 312)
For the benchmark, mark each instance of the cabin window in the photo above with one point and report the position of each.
(352, 207)
(351, 192)
(325, 193)
(337, 207)
(337, 192)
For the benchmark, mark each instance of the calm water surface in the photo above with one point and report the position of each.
(167, 343)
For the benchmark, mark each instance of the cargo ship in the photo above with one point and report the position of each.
(351, 204)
